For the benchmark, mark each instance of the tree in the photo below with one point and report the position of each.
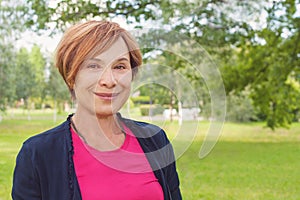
(261, 57)
(25, 77)
(56, 86)
(38, 67)
(7, 76)
(268, 63)
(45, 14)
(57, 89)
(10, 20)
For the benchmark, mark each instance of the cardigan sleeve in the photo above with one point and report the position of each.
(160, 153)
(168, 164)
(172, 179)
(25, 181)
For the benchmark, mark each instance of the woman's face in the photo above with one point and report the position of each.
(103, 83)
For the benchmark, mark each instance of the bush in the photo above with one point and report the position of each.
(240, 108)
(141, 100)
(156, 109)
(144, 110)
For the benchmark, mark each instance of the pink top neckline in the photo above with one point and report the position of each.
(124, 173)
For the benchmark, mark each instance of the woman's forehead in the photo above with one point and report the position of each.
(118, 50)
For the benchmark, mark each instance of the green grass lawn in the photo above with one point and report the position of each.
(248, 161)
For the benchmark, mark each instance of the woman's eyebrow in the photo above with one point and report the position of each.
(98, 60)
(122, 59)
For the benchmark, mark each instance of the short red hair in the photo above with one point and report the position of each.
(87, 39)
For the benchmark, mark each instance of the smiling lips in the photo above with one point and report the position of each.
(107, 96)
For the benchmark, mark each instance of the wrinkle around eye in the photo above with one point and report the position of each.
(122, 66)
(94, 66)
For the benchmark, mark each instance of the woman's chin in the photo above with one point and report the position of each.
(106, 112)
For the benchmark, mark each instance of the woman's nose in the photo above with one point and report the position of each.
(107, 79)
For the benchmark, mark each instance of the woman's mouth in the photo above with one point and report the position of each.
(106, 96)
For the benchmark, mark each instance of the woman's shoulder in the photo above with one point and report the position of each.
(144, 125)
(147, 131)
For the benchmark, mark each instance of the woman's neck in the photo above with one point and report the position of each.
(100, 132)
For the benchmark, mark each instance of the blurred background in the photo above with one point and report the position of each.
(254, 45)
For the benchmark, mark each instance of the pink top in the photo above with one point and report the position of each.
(124, 173)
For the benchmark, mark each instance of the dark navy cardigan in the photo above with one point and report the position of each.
(45, 168)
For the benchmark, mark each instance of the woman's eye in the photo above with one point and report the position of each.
(120, 67)
(93, 66)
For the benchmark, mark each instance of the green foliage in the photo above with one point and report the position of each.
(42, 13)
(266, 63)
(253, 55)
(144, 110)
(240, 108)
(7, 76)
(38, 66)
(57, 89)
(56, 86)
(30, 76)
(11, 19)
(10, 25)
(151, 109)
(25, 76)
(141, 99)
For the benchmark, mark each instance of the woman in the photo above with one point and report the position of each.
(96, 153)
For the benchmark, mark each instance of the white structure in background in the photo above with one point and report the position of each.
(185, 114)
(189, 113)
(167, 113)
